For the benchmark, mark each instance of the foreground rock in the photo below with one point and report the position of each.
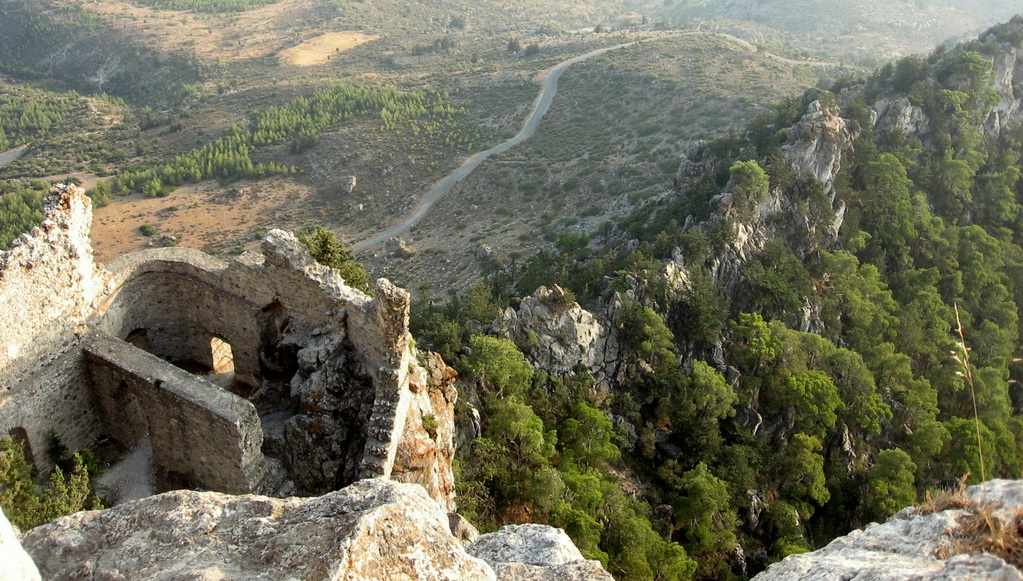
(907, 547)
(535, 552)
(15, 565)
(373, 529)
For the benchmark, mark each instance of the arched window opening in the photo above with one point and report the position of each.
(223, 356)
(20, 435)
(139, 338)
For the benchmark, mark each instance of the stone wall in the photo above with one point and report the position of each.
(329, 366)
(48, 286)
(201, 435)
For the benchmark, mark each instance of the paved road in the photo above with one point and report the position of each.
(12, 155)
(540, 108)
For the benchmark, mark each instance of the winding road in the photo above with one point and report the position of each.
(438, 190)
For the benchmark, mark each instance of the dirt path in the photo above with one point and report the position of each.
(540, 108)
(12, 155)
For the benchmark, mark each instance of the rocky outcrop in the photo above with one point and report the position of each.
(535, 552)
(898, 115)
(15, 564)
(1007, 74)
(817, 143)
(909, 546)
(558, 335)
(427, 447)
(372, 530)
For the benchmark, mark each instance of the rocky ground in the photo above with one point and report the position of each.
(373, 529)
(917, 543)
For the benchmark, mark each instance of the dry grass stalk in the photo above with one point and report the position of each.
(967, 375)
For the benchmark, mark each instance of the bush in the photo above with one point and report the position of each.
(28, 505)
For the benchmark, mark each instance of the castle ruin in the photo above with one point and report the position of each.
(265, 373)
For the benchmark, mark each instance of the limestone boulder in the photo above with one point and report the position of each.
(373, 529)
(908, 546)
(15, 564)
(533, 553)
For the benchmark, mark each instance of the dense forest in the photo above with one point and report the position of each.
(31, 113)
(837, 378)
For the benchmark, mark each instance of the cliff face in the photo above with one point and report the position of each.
(916, 544)
(373, 529)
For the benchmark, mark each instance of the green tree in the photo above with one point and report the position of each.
(587, 437)
(812, 398)
(499, 365)
(704, 512)
(326, 249)
(890, 484)
(28, 505)
(750, 184)
(802, 472)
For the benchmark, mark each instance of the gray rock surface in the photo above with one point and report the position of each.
(905, 547)
(528, 544)
(15, 564)
(374, 529)
(817, 143)
(557, 334)
(535, 553)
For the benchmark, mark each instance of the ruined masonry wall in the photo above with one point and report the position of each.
(48, 286)
(52, 295)
(197, 430)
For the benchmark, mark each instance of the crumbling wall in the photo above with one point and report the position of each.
(48, 286)
(178, 298)
(201, 434)
(331, 367)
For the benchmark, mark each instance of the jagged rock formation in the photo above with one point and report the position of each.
(909, 546)
(899, 116)
(15, 564)
(323, 383)
(558, 335)
(374, 529)
(1008, 81)
(427, 448)
(816, 144)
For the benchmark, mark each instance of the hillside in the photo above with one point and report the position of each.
(853, 31)
(816, 328)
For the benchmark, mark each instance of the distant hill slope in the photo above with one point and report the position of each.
(856, 26)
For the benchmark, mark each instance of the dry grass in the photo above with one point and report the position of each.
(206, 216)
(980, 530)
(319, 50)
(953, 498)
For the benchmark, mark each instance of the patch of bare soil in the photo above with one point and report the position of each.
(319, 50)
(206, 216)
(233, 36)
